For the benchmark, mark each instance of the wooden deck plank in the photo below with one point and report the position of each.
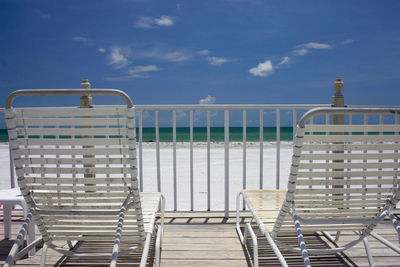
(207, 239)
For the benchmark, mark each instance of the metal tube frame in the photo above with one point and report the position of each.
(13, 255)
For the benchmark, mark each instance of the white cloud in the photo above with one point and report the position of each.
(284, 61)
(204, 52)
(135, 73)
(217, 61)
(166, 55)
(263, 69)
(145, 22)
(208, 100)
(300, 52)
(101, 50)
(80, 39)
(141, 71)
(347, 41)
(176, 56)
(118, 57)
(147, 68)
(165, 21)
(314, 45)
(304, 48)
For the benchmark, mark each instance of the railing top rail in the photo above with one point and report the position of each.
(228, 106)
(63, 92)
(240, 106)
(347, 110)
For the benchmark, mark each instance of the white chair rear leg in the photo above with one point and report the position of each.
(43, 258)
(368, 251)
(158, 247)
(255, 243)
(239, 232)
(145, 253)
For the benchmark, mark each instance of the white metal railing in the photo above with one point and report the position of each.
(208, 109)
(226, 110)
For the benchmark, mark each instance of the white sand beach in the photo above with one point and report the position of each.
(200, 171)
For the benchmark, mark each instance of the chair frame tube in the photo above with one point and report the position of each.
(14, 254)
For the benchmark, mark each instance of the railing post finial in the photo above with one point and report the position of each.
(338, 98)
(86, 100)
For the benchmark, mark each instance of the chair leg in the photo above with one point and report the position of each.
(395, 223)
(276, 249)
(239, 232)
(7, 220)
(43, 258)
(162, 219)
(18, 241)
(255, 243)
(160, 233)
(337, 236)
(385, 242)
(30, 237)
(244, 236)
(145, 252)
(368, 251)
(158, 247)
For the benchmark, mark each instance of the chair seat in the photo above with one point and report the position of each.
(150, 203)
(266, 204)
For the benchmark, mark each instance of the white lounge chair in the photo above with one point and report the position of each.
(76, 168)
(342, 178)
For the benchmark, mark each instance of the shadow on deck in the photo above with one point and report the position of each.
(209, 239)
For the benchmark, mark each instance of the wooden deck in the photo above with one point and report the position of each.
(208, 239)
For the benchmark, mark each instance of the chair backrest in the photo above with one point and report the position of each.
(75, 167)
(343, 175)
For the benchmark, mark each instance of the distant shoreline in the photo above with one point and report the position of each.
(217, 134)
(202, 145)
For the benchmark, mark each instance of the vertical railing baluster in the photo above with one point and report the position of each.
(158, 151)
(311, 121)
(191, 163)
(208, 162)
(244, 153)
(140, 115)
(396, 122)
(365, 160)
(261, 149)
(174, 159)
(294, 123)
(349, 151)
(244, 149)
(226, 140)
(380, 151)
(192, 186)
(327, 122)
(278, 147)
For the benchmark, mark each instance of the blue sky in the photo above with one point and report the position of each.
(220, 51)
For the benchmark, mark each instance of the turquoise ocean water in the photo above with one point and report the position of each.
(200, 134)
